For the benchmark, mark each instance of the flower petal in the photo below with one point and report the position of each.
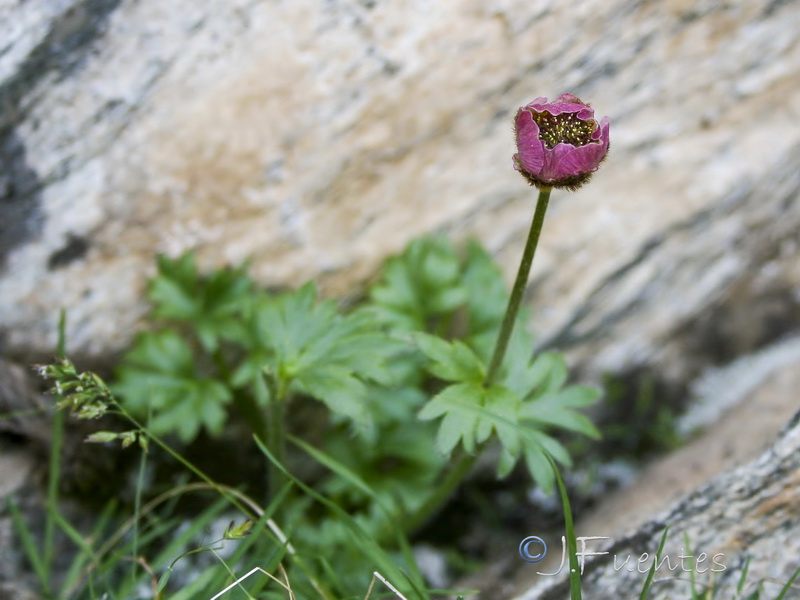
(566, 103)
(530, 155)
(566, 160)
(602, 132)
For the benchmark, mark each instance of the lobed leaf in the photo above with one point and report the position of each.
(452, 361)
(459, 423)
(419, 286)
(209, 303)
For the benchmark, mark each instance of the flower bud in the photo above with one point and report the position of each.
(559, 143)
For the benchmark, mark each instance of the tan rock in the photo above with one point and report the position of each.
(734, 490)
(317, 140)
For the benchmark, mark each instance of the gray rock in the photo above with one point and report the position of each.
(16, 582)
(20, 416)
(316, 140)
(747, 512)
(733, 491)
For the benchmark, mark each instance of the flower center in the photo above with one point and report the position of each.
(566, 128)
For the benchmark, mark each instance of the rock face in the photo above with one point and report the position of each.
(316, 138)
(747, 512)
(20, 419)
(732, 490)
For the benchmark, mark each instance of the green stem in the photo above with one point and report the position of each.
(518, 291)
(276, 433)
(442, 493)
(54, 471)
(465, 462)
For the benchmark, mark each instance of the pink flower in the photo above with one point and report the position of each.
(559, 143)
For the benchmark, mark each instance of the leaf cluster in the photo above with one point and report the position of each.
(452, 308)
(400, 375)
(221, 342)
(530, 402)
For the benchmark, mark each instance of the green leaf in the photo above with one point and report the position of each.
(459, 422)
(398, 465)
(171, 290)
(312, 348)
(163, 352)
(574, 396)
(339, 389)
(29, 546)
(557, 372)
(530, 377)
(345, 473)
(209, 303)
(353, 342)
(552, 447)
(652, 572)
(470, 414)
(555, 410)
(539, 468)
(505, 405)
(420, 286)
(564, 419)
(788, 585)
(487, 294)
(575, 569)
(198, 404)
(158, 374)
(452, 361)
(456, 426)
(506, 463)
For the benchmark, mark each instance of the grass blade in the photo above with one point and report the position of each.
(788, 585)
(73, 576)
(572, 544)
(54, 467)
(743, 576)
(652, 573)
(29, 546)
(368, 546)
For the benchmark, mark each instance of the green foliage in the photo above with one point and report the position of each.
(209, 303)
(652, 572)
(431, 317)
(310, 348)
(575, 570)
(184, 371)
(420, 289)
(532, 401)
(401, 376)
(221, 344)
(486, 299)
(450, 361)
(160, 375)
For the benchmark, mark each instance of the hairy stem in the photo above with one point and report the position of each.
(518, 291)
(462, 465)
